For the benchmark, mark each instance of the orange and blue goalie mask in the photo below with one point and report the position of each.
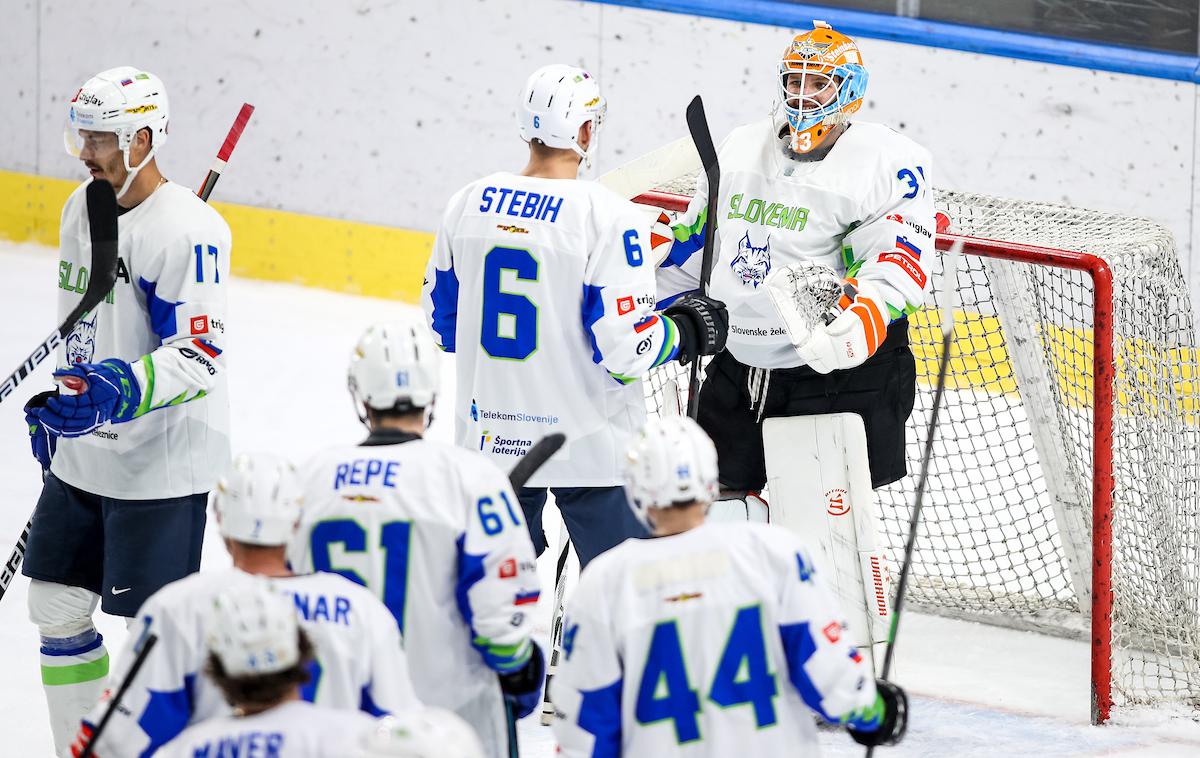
(822, 81)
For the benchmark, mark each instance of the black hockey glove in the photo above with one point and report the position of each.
(523, 688)
(703, 325)
(895, 717)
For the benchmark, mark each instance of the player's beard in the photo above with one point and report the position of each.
(112, 169)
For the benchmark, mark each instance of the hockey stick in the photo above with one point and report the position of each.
(698, 126)
(534, 458)
(231, 140)
(102, 225)
(102, 220)
(556, 626)
(147, 646)
(97, 289)
(949, 311)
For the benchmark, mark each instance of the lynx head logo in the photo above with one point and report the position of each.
(81, 343)
(752, 264)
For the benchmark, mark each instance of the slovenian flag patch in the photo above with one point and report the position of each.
(209, 349)
(525, 598)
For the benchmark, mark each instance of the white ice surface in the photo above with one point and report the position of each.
(977, 690)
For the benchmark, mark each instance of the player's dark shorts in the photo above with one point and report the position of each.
(882, 391)
(123, 550)
(597, 518)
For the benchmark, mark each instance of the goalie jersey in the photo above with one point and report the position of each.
(541, 288)
(360, 662)
(165, 317)
(719, 641)
(436, 532)
(865, 210)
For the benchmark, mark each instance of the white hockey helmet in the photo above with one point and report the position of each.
(395, 366)
(121, 100)
(258, 500)
(556, 101)
(671, 462)
(253, 630)
(423, 733)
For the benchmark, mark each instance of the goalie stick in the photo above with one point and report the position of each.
(698, 126)
(147, 646)
(949, 312)
(102, 221)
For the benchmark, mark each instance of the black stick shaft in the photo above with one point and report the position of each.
(698, 126)
(147, 646)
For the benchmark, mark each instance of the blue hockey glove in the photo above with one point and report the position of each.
(523, 689)
(40, 438)
(112, 394)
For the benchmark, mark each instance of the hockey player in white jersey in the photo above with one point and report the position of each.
(261, 661)
(809, 188)
(360, 663)
(540, 286)
(131, 457)
(433, 530)
(711, 639)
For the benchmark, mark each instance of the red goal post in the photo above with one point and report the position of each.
(1054, 347)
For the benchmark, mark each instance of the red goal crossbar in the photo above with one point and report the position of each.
(1104, 373)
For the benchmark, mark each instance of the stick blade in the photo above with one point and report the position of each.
(102, 211)
(533, 460)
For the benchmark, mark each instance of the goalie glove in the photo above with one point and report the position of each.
(833, 324)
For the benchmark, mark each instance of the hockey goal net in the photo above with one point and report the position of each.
(1063, 490)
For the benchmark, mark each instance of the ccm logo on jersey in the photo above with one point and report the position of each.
(199, 324)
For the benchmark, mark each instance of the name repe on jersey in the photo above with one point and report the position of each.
(360, 661)
(437, 533)
(541, 289)
(865, 210)
(168, 305)
(719, 641)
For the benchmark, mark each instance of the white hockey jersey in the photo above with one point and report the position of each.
(540, 287)
(291, 730)
(166, 317)
(706, 643)
(360, 662)
(865, 210)
(437, 533)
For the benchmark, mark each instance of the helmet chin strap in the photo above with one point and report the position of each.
(132, 171)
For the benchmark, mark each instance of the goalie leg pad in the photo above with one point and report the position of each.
(820, 482)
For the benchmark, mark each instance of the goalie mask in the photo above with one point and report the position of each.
(672, 462)
(122, 101)
(822, 82)
(556, 101)
(395, 367)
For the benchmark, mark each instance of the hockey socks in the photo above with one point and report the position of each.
(74, 674)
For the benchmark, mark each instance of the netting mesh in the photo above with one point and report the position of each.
(1006, 532)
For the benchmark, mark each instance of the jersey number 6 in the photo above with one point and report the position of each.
(510, 321)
